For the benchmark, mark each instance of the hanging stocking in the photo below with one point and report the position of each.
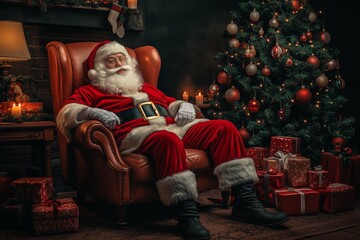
(117, 26)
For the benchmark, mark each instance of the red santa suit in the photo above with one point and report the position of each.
(164, 141)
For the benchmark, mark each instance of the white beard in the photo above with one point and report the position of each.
(127, 83)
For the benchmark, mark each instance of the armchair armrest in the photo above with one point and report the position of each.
(94, 136)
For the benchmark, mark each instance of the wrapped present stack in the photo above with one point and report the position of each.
(33, 201)
(341, 171)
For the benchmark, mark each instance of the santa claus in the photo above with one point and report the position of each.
(144, 120)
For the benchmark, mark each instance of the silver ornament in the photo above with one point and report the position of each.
(254, 16)
(251, 69)
(322, 81)
(232, 28)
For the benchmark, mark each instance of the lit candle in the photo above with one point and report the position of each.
(185, 96)
(199, 99)
(16, 110)
(132, 4)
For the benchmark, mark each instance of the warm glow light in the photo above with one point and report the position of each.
(13, 45)
(185, 96)
(16, 110)
(199, 99)
(132, 4)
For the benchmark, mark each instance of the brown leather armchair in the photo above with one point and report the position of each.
(91, 161)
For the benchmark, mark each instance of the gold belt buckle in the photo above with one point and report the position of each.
(143, 114)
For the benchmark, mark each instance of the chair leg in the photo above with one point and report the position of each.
(121, 216)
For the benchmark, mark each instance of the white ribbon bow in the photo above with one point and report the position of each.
(283, 158)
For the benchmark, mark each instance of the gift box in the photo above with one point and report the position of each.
(318, 178)
(55, 216)
(264, 187)
(337, 197)
(355, 173)
(338, 171)
(271, 164)
(14, 213)
(258, 154)
(297, 201)
(33, 189)
(286, 144)
(297, 169)
(5, 189)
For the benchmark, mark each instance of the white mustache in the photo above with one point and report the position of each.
(115, 70)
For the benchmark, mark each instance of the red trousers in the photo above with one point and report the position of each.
(218, 137)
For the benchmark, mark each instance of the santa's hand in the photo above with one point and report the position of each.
(109, 119)
(185, 114)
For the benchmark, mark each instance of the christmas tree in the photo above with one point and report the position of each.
(279, 76)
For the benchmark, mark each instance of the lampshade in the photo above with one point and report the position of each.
(13, 45)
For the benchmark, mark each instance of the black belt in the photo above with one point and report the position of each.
(145, 110)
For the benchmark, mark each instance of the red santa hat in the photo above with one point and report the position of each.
(99, 53)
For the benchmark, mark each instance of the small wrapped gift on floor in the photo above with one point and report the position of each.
(297, 201)
(55, 216)
(337, 197)
(318, 178)
(268, 182)
(286, 144)
(14, 213)
(297, 170)
(33, 189)
(258, 154)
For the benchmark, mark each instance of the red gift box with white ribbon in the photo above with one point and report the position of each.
(297, 201)
(318, 178)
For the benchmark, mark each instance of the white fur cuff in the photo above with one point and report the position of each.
(236, 172)
(178, 187)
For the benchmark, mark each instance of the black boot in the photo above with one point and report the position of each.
(248, 208)
(188, 221)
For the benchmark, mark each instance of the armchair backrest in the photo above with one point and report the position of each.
(66, 74)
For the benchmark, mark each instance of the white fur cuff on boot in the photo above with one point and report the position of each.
(178, 187)
(235, 172)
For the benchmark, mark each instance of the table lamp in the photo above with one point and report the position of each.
(13, 45)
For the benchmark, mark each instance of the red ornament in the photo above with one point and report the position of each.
(309, 35)
(281, 113)
(223, 78)
(324, 37)
(289, 62)
(303, 95)
(254, 105)
(245, 135)
(295, 4)
(276, 51)
(266, 71)
(232, 95)
(313, 60)
(303, 38)
(338, 141)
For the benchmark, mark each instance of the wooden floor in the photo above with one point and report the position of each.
(346, 234)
